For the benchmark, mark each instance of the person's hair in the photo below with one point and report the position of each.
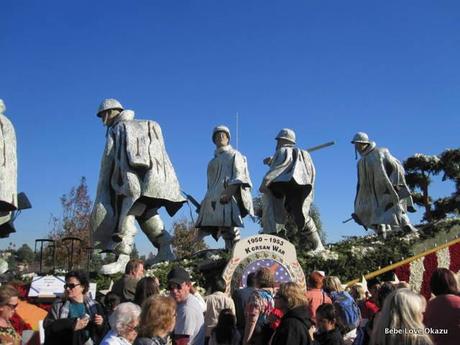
(251, 280)
(402, 285)
(265, 278)
(132, 265)
(385, 289)
(158, 313)
(403, 310)
(6, 292)
(293, 294)
(123, 315)
(315, 280)
(443, 282)
(372, 282)
(145, 288)
(357, 292)
(81, 276)
(332, 283)
(111, 300)
(326, 311)
(225, 328)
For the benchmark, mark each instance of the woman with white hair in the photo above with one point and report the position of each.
(400, 320)
(124, 323)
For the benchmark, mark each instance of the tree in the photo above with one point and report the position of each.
(74, 222)
(25, 254)
(419, 171)
(450, 163)
(183, 242)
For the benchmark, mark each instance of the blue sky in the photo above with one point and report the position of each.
(327, 69)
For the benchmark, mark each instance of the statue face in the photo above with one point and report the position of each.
(220, 139)
(361, 147)
(108, 116)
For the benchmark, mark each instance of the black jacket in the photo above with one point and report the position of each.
(60, 330)
(333, 337)
(293, 329)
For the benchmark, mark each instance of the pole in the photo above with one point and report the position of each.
(237, 130)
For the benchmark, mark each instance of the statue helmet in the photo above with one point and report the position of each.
(221, 128)
(107, 104)
(361, 138)
(286, 134)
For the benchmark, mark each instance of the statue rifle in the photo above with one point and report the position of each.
(193, 201)
(356, 219)
(322, 146)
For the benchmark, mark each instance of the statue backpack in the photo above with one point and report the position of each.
(347, 308)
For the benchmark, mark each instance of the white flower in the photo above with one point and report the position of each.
(214, 257)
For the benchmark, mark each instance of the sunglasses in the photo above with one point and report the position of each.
(70, 286)
(12, 306)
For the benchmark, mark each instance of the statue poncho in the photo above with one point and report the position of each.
(382, 195)
(228, 167)
(134, 165)
(8, 176)
(287, 188)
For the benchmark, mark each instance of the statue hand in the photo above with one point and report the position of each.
(225, 198)
(356, 219)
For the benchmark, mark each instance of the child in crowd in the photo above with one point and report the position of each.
(328, 332)
(111, 301)
(225, 333)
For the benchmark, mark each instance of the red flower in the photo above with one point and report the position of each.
(430, 262)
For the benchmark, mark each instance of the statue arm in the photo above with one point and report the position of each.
(385, 157)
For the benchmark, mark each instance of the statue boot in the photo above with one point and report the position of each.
(313, 237)
(117, 266)
(153, 228)
(122, 244)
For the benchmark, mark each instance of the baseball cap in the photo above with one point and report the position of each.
(178, 275)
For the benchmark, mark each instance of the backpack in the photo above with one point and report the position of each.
(347, 309)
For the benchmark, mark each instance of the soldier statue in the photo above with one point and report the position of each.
(8, 178)
(288, 189)
(382, 195)
(228, 198)
(135, 180)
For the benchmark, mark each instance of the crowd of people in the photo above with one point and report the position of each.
(137, 312)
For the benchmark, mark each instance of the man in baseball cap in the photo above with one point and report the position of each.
(189, 329)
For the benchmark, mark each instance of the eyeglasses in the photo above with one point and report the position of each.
(174, 287)
(70, 286)
(135, 328)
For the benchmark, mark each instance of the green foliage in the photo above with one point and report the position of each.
(162, 269)
(358, 255)
(419, 170)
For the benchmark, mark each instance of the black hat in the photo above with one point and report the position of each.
(178, 275)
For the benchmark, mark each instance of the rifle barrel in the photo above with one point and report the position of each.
(322, 146)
